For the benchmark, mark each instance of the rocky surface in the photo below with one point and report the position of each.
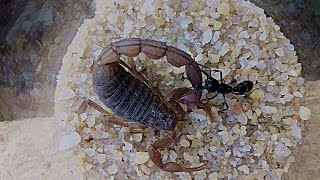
(34, 37)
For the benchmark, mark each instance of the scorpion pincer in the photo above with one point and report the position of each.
(130, 97)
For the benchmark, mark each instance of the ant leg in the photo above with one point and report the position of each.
(225, 103)
(211, 97)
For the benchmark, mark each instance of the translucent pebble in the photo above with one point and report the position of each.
(197, 116)
(113, 169)
(66, 94)
(305, 113)
(173, 156)
(297, 94)
(213, 3)
(296, 131)
(260, 136)
(288, 97)
(216, 36)
(224, 49)
(198, 58)
(300, 81)
(286, 141)
(105, 135)
(242, 118)
(244, 168)
(290, 47)
(89, 151)
(101, 158)
(137, 137)
(279, 52)
(263, 36)
(207, 36)
(69, 141)
(284, 76)
(147, 8)
(184, 143)
(91, 120)
(243, 34)
(293, 72)
(281, 150)
(268, 109)
(141, 157)
(261, 65)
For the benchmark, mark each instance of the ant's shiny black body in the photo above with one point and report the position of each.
(212, 85)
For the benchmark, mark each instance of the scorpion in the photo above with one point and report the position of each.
(131, 98)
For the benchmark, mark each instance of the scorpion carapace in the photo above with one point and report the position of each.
(131, 99)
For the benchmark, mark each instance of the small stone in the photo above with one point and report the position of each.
(173, 156)
(137, 137)
(89, 151)
(304, 113)
(244, 169)
(113, 169)
(145, 169)
(263, 36)
(242, 118)
(101, 158)
(293, 72)
(217, 25)
(69, 141)
(297, 94)
(224, 49)
(184, 143)
(214, 176)
(279, 52)
(141, 157)
(243, 34)
(268, 109)
(260, 136)
(257, 95)
(216, 36)
(213, 3)
(159, 21)
(274, 137)
(223, 9)
(207, 36)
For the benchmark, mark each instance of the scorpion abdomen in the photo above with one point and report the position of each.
(130, 98)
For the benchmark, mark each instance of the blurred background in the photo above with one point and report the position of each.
(35, 35)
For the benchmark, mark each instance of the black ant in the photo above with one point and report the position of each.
(212, 85)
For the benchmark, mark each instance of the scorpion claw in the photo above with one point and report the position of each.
(156, 158)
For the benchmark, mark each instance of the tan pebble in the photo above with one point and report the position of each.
(304, 113)
(159, 21)
(257, 95)
(246, 72)
(145, 169)
(217, 25)
(141, 157)
(223, 9)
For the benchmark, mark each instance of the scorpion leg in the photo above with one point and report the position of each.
(156, 158)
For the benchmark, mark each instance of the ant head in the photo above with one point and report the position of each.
(243, 88)
(211, 84)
